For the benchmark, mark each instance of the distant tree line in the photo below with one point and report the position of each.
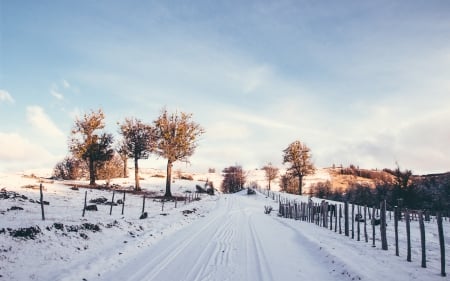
(402, 189)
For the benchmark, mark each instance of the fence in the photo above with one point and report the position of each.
(337, 217)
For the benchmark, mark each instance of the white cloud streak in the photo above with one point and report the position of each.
(56, 94)
(5, 96)
(65, 84)
(41, 121)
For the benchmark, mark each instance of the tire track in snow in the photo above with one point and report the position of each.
(145, 268)
(216, 254)
(233, 242)
(264, 272)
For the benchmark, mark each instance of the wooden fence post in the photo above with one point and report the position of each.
(325, 214)
(441, 242)
(358, 227)
(366, 237)
(408, 235)
(422, 239)
(331, 216)
(346, 230)
(383, 222)
(396, 216)
(123, 202)
(85, 198)
(42, 202)
(112, 203)
(340, 218)
(143, 204)
(335, 217)
(353, 221)
(373, 226)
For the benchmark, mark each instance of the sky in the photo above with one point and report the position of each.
(359, 82)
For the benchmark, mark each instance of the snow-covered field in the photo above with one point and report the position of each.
(221, 237)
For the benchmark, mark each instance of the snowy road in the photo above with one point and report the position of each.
(237, 241)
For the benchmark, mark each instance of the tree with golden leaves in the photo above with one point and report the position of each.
(298, 155)
(87, 142)
(176, 140)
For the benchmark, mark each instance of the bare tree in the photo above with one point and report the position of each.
(86, 143)
(271, 173)
(176, 136)
(298, 155)
(139, 141)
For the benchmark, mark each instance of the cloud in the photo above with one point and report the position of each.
(18, 153)
(5, 96)
(65, 84)
(41, 121)
(224, 131)
(259, 120)
(57, 94)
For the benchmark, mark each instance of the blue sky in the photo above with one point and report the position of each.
(362, 82)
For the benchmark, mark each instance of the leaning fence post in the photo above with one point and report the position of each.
(42, 202)
(84, 207)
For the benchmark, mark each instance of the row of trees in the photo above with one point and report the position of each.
(171, 136)
(297, 155)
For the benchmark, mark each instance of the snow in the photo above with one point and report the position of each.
(224, 237)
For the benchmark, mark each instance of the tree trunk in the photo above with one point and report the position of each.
(136, 175)
(269, 184)
(168, 179)
(300, 184)
(125, 167)
(91, 172)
